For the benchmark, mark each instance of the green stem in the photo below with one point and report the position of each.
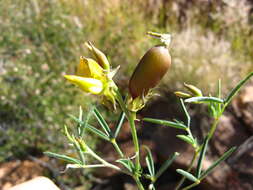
(122, 103)
(188, 170)
(192, 185)
(117, 148)
(107, 164)
(131, 119)
(213, 128)
(131, 116)
(139, 184)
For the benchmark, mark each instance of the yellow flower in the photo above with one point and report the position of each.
(91, 85)
(93, 78)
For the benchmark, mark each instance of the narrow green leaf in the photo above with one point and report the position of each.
(80, 118)
(85, 123)
(63, 157)
(98, 132)
(91, 128)
(76, 119)
(201, 157)
(166, 164)
(66, 133)
(150, 162)
(80, 113)
(236, 89)
(217, 162)
(187, 139)
(127, 164)
(119, 124)
(204, 99)
(102, 122)
(187, 175)
(166, 123)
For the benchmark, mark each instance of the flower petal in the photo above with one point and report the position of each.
(96, 71)
(89, 68)
(91, 85)
(83, 68)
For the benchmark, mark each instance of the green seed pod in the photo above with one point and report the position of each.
(150, 70)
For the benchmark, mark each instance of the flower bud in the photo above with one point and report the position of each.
(193, 89)
(99, 55)
(150, 70)
(182, 94)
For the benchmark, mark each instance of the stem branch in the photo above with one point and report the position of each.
(192, 185)
(139, 185)
(117, 148)
(188, 170)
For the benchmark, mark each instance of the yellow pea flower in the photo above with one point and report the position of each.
(91, 85)
(93, 78)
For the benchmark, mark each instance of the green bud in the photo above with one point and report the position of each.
(150, 70)
(182, 94)
(193, 89)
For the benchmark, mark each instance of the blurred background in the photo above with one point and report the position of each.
(40, 41)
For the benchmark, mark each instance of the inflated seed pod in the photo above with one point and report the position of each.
(150, 70)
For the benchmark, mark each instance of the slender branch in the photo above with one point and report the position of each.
(186, 113)
(121, 103)
(188, 170)
(107, 164)
(117, 148)
(139, 185)
(213, 128)
(192, 185)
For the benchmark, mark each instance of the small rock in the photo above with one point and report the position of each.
(38, 183)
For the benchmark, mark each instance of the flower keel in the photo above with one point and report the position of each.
(89, 85)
